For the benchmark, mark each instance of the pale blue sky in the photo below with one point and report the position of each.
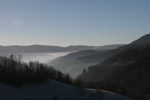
(73, 22)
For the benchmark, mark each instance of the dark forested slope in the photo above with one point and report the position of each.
(129, 67)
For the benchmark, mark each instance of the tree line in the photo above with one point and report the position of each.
(17, 73)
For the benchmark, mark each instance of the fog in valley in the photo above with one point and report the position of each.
(40, 57)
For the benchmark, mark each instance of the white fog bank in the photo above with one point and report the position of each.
(40, 57)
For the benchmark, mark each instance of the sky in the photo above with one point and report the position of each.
(73, 22)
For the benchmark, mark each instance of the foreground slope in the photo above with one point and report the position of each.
(53, 89)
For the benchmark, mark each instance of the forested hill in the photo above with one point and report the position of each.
(129, 68)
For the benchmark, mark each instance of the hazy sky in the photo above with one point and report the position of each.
(73, 22)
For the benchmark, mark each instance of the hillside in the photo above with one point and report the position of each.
(36, 81)
(75, 62)
(126, 57)
(53, 90)
(142, 40)
(129, 67)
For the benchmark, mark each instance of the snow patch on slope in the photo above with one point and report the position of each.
(52, 89)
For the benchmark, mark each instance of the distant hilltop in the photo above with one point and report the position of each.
(46, 48)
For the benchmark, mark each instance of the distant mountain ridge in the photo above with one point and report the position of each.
(46, 48)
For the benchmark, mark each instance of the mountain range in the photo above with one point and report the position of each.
(127, 66)
(47, 48)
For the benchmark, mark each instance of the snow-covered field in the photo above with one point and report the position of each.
(53, 90)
